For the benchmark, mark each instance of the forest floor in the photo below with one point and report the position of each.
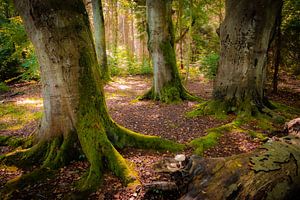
(20, 111)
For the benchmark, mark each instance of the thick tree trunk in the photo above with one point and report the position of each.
(74, 105)
(99, 34)
(167, 85)
(245, 37)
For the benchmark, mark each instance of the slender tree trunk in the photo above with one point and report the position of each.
(115, 32)
(99, 35)
(277, 54)
(245, 37)
(75, 113)
(167, 85)
(132, 32)
(190, 41)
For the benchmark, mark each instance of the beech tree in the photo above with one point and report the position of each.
(75, 119)
(167, 86)
(99, 34)
(245, 34)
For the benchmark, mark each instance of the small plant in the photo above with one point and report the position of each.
(209, 65)
(146, 67)
(3, 87)
(122, 62)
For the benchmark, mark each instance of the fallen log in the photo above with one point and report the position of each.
(271, 172)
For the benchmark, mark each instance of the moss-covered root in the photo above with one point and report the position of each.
(216, 108)
(24, 180)
(51, 154)
(100, 152)
(25, 157)
(211, 139)
(170, 94)
(122, 137)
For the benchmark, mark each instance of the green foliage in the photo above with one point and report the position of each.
(209, 65)
(17, 58)
(124, 63)
(290, 28)
(3, 88)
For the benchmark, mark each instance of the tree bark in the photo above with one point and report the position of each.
(99, 34)
(167, 86)
(75, 113)
(245, 37)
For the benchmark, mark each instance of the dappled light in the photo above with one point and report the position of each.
(37, 103)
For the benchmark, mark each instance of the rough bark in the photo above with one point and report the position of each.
(245, 37)
(167, 85)
(99, 34)
(75, 113)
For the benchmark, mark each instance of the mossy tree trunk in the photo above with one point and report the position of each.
(167, 85)
(271, 172)
(75, 114)
(99, 34)
(245, 37)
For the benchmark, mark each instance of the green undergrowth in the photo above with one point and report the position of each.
(14, 116)
(11, 141)
(3, 88)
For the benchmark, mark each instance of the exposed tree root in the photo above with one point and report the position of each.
(264, 118)
(169, 94)
(96, 146)
(211, 139)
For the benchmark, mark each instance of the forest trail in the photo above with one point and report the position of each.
(147, 117)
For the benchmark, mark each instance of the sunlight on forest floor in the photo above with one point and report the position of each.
(15, 115)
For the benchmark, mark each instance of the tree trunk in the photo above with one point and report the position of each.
(132, 32)
(99, 34)
(75, 113)
(115, 25)
(245, 37)
(269, 173)
(277, 54)
(167, 85)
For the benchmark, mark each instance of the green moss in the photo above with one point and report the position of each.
(3, 88)
(258, 135)
(205, 142)
(11, 141)
(286, 111)
(217, 108)
(122, 137)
